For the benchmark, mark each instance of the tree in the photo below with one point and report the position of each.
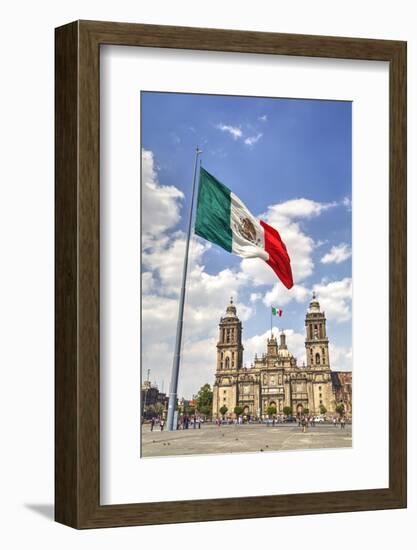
(159, 408)
(238, 410)
(323, 409)
(306, 411)
(150, 411)
(204, 400)
(271, 410)
(223, 410)
(340, 409)
(287, 410)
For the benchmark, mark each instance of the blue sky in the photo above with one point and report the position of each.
(289, 160)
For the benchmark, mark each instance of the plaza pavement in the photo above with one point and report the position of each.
(211, 439)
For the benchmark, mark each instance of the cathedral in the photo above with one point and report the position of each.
(275, 379)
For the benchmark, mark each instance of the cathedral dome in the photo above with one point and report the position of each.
(283, 351)
(231, 309)
(314, 304)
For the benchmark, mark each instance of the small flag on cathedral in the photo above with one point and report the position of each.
(223, 219)
(276, 311)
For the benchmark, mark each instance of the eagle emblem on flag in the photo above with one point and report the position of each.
(247, 230)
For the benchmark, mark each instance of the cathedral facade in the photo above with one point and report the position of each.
(275, 379)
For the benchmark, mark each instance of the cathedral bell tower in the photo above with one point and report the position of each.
(229, 363)
(229, 346)
(317, 343)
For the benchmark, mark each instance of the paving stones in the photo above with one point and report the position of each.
(211, 439)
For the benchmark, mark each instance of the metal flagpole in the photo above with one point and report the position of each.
(173, 388)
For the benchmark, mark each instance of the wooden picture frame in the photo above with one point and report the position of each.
(77, 359)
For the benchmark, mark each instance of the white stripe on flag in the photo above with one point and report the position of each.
(248, 234)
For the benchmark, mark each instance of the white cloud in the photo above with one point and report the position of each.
(255, 297)
(347, 203)
(166, 258)
(234, 131)
(160, 204)
(263, 118)
(298, 208)
(251, 140)
(237, 133)
(198, 365)
(284, 218)
(280, 296)
(340, 357)
(337, 254)
(335, 299)
(147, 282)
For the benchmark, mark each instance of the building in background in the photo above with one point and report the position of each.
(275, 380)
(154, 402)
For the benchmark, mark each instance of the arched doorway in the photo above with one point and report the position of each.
(300, 409)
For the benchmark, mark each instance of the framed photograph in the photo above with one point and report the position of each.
(230, 274)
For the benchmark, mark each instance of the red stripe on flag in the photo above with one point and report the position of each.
(278, 255)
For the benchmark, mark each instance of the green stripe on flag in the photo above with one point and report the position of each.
(213, 211)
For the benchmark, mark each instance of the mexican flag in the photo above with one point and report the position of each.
(223, 219)
(276, 311)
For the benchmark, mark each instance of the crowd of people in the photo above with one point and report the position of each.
(305, 421)
(186, 422)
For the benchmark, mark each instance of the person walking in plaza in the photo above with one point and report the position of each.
(303, 424)
(342, 423)
(152, 423)
(162, 423)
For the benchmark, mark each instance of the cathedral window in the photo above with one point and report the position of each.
(228, 336)
(221, 364)
(315, 332)
(227, 362)
(317, 358)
